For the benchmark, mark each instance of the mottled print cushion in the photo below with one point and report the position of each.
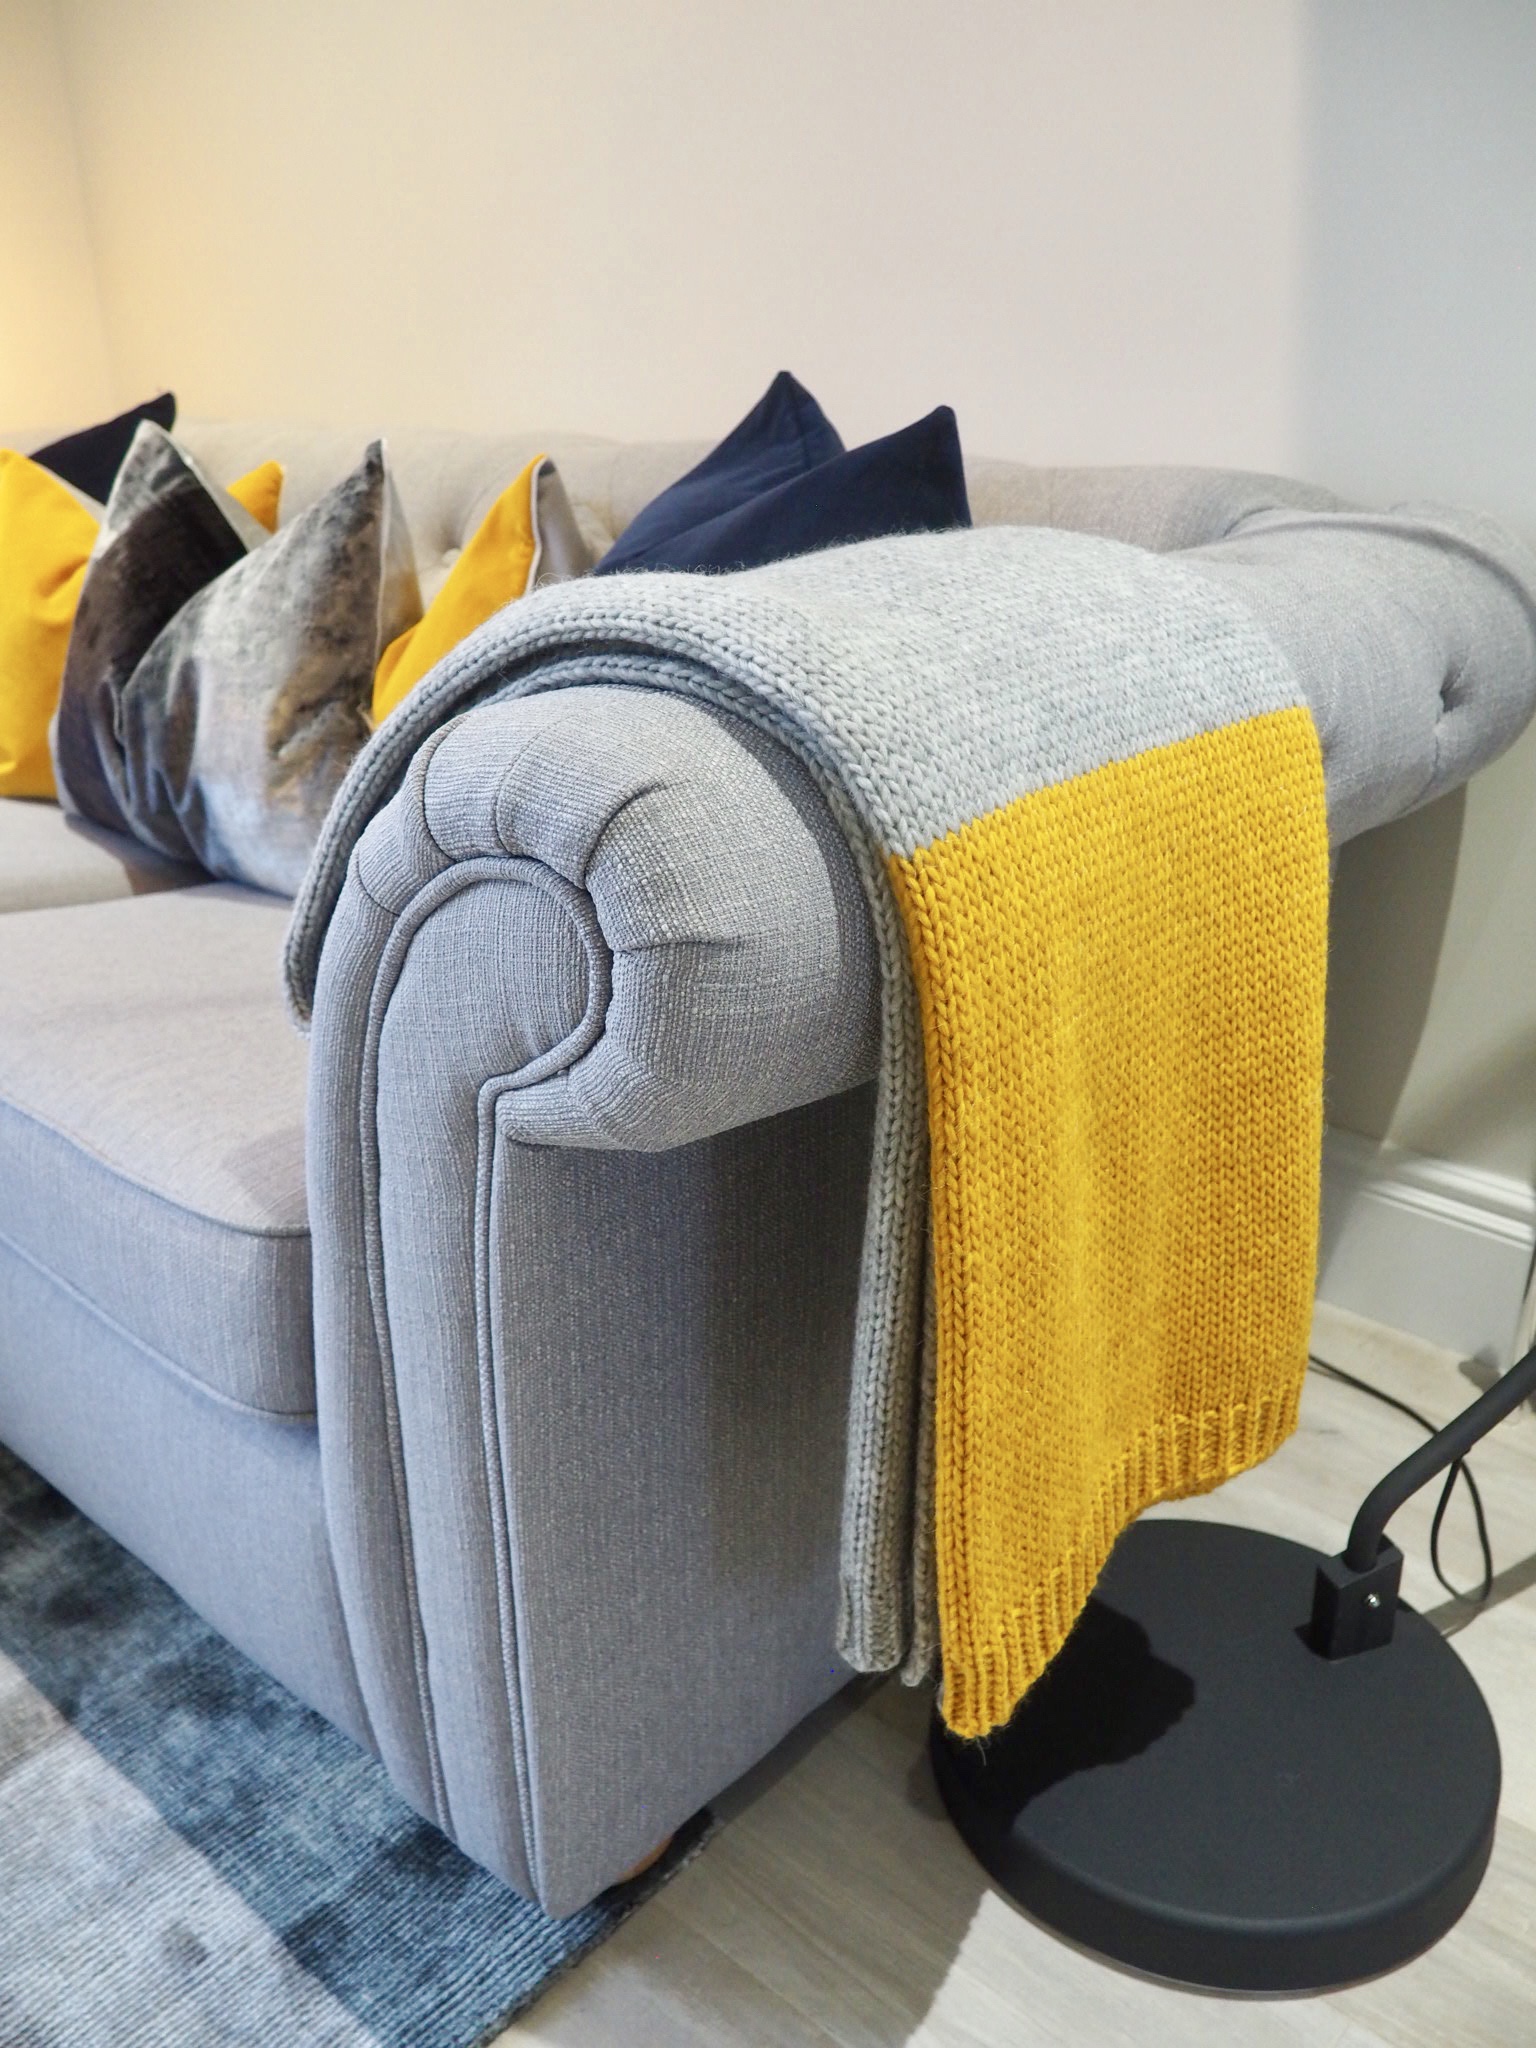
(49, 534)
(167, 531)
(225, 740)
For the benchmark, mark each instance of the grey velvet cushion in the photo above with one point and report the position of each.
(165, 533)
(152, 1133)
(215, 694)
(246, 713)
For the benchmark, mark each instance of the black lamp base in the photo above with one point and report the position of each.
(1192, 1790)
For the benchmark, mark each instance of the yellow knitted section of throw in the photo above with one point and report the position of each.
(1121, 980)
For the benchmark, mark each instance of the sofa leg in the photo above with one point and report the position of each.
(639, 1869)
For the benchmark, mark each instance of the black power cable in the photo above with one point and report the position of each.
(1459, 1470)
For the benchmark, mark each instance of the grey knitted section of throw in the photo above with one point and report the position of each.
(924, 681)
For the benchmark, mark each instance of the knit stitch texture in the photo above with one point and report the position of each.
(1087, 804)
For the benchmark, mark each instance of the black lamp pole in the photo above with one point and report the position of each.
(1251, 1766)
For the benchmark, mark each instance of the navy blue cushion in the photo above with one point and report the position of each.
(785, 434)
(909, 482)
(91, 459)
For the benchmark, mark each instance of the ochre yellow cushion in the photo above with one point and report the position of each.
(259, 491)
(46, 537)
(494, 568)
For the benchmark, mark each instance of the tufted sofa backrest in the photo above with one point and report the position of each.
(447, 481)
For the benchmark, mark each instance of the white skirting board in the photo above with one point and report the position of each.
(1439, 1250)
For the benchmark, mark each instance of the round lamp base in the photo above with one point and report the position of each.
(1191, 1790)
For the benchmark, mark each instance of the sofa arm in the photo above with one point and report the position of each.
(585, 1278)
(1412, 633)
(1410, 630)
(729, 962)
(1157, 506)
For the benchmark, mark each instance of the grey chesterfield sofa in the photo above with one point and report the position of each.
(516, 1448)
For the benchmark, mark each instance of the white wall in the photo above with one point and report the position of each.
(591, 213)
(53, 355)
(1418, 378)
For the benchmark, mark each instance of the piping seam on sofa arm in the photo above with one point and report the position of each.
(715, 897)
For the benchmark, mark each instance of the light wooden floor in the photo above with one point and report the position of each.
(838, 1906)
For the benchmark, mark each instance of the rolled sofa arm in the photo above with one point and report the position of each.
(1161, 506)
(588, 1165)
(728, 966)
(1410, 630)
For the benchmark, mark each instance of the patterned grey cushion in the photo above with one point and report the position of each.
(214, 722)
(165, 533)
(158, 469)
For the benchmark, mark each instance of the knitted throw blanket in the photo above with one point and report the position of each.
(1087, 803)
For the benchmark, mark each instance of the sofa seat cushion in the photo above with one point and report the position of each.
(152, 1132)
(48, 858)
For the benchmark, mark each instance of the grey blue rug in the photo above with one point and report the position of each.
(190, 1857)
